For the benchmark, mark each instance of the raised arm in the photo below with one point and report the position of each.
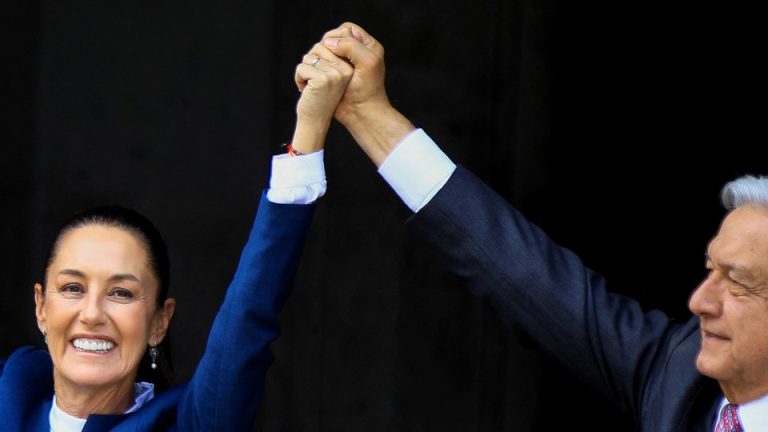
(534, 284)
(365, 109)
(228, 383)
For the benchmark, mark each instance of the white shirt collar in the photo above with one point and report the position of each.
(63, 422)
(753, 415)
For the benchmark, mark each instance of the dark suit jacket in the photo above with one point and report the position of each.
(642, 360)
(228, 383)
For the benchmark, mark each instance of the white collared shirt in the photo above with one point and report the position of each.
(63, 422)
(753, 415)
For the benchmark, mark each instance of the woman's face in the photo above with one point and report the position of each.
(99, 308)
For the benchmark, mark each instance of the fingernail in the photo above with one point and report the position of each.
(331, 42)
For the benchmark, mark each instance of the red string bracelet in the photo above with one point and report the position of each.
(292, 151)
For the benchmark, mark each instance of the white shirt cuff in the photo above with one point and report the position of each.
(297, 179)
(417, 169)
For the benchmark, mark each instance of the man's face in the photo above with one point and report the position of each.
(732, 303)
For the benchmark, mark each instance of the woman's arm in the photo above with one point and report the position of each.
(228, 384)
(229, 381)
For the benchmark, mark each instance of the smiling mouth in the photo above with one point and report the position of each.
(97, 346)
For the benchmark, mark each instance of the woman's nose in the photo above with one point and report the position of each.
(92, 313)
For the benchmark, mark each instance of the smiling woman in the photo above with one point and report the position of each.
(108, 265)
(104, 308)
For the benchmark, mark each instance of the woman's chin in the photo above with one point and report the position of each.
(92, 370)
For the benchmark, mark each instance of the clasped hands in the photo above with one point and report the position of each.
(342, 77)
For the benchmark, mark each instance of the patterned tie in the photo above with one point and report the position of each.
(729, 419)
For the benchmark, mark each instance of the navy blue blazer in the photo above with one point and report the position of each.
(228, 383)
(642, 360)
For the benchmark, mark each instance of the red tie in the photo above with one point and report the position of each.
(729, 419)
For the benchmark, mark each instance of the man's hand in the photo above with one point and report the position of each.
(365, 109)
(366, 88)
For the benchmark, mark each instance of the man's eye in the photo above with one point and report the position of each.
(739, 289)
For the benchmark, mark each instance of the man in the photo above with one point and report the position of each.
(709, 374)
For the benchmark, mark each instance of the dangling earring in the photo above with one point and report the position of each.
(45, 337)
(153, 353)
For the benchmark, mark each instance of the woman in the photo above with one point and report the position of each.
(103, 305)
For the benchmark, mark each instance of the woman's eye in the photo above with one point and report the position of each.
(121, 294)
(72, 289)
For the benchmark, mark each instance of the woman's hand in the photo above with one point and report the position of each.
(322, 79)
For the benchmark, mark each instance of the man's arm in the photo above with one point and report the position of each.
(365, 109)
(412, 164)
(535, 285)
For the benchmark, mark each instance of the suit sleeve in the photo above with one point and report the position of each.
(228, 384)
(544, 290)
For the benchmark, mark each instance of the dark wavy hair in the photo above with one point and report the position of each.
(140, 227)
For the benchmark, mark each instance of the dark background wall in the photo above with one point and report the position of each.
(611, 124)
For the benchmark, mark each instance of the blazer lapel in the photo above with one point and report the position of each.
(702, 412)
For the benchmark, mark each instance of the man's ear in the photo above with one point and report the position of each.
(40, 309)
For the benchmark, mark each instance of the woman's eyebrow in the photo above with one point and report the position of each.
(72, 272)
(123, 277)
(114, 278)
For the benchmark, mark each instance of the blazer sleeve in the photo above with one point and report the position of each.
(545, 290)
(228, 383)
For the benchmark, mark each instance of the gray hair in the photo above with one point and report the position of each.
(745, 190)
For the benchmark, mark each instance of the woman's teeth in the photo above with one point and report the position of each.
(93, 345)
